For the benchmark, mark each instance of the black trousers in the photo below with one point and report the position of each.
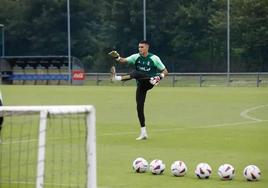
(143, 85)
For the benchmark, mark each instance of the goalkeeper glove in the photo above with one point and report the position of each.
(156, 79)
(115, 55)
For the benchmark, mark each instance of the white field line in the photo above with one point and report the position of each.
(244, 114)
(184, 128)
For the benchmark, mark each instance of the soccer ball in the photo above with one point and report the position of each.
(252, 173)
(203, 171)
(157, 167)
(140, 165)
(178, 168)
(226, 172)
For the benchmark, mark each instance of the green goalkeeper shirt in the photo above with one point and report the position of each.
(150, 65)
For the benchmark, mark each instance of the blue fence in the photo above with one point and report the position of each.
(39, 77)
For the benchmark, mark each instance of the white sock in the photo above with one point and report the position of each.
(143, 130)
(118, 78)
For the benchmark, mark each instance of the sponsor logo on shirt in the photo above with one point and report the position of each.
(147, 69)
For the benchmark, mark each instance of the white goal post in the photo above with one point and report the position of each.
(65, 142)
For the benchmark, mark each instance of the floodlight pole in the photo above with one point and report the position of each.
(144, 19)
(3, 39)
(228, 42)
(69, 42)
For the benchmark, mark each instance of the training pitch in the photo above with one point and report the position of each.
(216, 125)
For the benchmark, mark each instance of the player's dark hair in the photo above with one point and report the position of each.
(144, 42)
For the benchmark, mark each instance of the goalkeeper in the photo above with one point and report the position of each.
(149, 70)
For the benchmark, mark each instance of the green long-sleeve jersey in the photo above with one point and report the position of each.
(150, 65)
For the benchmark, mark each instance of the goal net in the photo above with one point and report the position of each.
(48, 146)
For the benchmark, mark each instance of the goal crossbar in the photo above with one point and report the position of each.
(53, 109)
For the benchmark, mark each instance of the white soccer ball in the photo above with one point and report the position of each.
(226, 172)
(252, 173)
(140, 165)
(157, 167)
(178, 168)
(203, 171)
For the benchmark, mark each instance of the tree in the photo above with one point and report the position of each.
(188, 35)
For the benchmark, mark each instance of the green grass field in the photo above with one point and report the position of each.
(214, 125)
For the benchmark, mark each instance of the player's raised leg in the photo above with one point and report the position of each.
(138, 75)
(114, 77)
